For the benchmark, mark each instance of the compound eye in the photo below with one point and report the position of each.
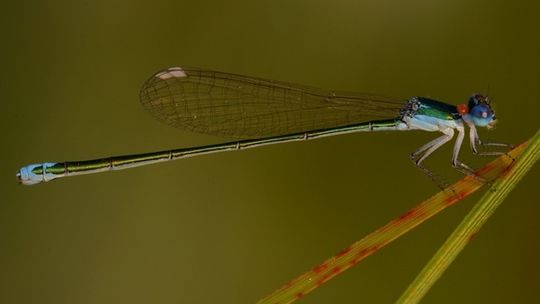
(481, 111)
(482, 115)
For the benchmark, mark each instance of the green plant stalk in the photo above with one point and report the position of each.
(357, 252)
(471, 224)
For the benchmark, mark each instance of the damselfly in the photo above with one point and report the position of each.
(260, 112)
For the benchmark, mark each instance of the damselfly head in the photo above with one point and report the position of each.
(480, 111)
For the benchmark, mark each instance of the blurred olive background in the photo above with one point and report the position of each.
(233, 227)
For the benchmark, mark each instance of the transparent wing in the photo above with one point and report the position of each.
(239, 106)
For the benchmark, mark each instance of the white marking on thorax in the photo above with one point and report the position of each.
(432, 124)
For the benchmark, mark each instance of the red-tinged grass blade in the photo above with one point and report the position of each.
(471, 224)
(355, 253)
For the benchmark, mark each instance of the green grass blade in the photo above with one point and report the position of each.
(355, 253)
(471, 224)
